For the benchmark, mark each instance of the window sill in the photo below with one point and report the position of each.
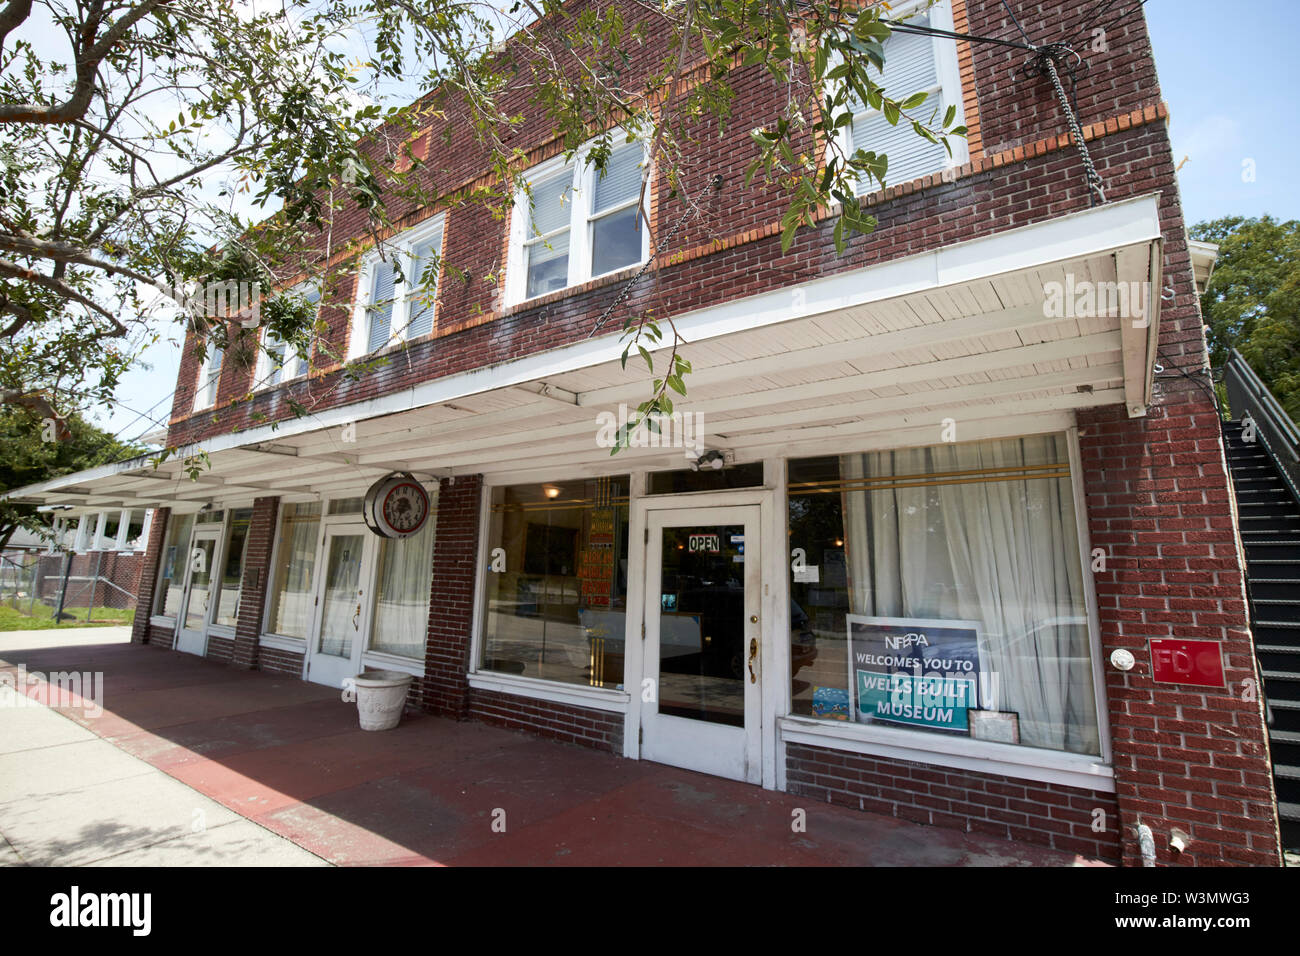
(295, 644)
(587, 285)
(576, 695)
(982, 756)
(383, 661)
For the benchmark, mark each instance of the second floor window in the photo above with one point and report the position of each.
(280, 363)
(205, 395)
(913, 64)
(581, 225)
(398, 293)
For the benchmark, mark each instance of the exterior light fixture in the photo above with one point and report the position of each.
(551, 491)
(712, 460)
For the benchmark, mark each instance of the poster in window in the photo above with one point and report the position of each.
(913, 672)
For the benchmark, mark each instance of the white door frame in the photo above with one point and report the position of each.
(195, 640)
(328, 669)
(774, 589)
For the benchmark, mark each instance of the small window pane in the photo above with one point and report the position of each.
(381, 306)
(622, 180)
(552, 205)
(548, 268)
(424, 259)
(616, 241)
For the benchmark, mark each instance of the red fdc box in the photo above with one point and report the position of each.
(1175, 661)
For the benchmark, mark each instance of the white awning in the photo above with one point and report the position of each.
(875, 357)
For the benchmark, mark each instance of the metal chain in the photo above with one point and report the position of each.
(623, 293)
(1094, 179)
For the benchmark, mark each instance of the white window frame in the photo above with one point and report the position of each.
(582, 194)
(266, 365)
(204, 386)
(403, 291)
(948, 72)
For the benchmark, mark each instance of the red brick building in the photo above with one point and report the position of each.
(953, 483)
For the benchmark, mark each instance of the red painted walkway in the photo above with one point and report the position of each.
(289, 756)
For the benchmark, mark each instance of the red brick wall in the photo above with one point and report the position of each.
(220, 649)
(451, 596)
(279, 661)
(1043, 813)
(576, 725)
(1029, 187)
(140, 631)
(256, 581)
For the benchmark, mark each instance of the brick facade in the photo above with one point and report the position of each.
(451, 598)
(597, 729)
(1061, 817)
(1156, 488)
(253, 588)
(140, 628)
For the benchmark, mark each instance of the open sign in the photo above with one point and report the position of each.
(1176, 661)
(704, 543)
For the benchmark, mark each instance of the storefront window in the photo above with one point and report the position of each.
(556, 556)
(941, 589)
(401, 620)
(232, 575)
(295, 562)
(171, 575)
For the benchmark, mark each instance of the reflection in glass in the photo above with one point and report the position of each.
(401, 617)
(295, 563)
(232, 575)
(341, 609)
(171, 579)
(200, 558)
(557, 586)
(702, 624)
(981, 532)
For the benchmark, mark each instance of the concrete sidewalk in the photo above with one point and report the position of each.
(195, 763)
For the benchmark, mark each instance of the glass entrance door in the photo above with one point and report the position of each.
(192, 622)
(703, 641)
(344, 618)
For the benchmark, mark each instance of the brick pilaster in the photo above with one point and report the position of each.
(144, 595)
(256, 582)
(451, 597)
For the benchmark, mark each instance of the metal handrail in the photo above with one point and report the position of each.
(1277, 433)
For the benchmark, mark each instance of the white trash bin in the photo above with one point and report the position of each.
(381, 695)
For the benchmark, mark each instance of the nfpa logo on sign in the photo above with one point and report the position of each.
(704, 544)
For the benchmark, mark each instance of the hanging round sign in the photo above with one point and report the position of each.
(396, 506)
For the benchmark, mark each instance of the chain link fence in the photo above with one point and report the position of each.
(43, 590)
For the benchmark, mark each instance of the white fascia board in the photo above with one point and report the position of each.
(1077, 235)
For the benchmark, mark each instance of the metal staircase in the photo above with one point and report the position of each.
(1263, 446)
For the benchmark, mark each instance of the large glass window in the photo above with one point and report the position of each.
(171, 574)
(232, 575)
(295, 562)
(941, 589)
(557, 581)
(401, 616)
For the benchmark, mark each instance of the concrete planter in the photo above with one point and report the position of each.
(381, 695)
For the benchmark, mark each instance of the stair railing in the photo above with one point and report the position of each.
(1274, 429)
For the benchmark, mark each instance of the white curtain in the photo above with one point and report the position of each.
(401, 620)
(295, 564)
(1002, 552)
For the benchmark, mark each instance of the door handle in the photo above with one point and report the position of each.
(753, 655)
(356, 619)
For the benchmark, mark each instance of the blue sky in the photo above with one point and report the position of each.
(1226, 71)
